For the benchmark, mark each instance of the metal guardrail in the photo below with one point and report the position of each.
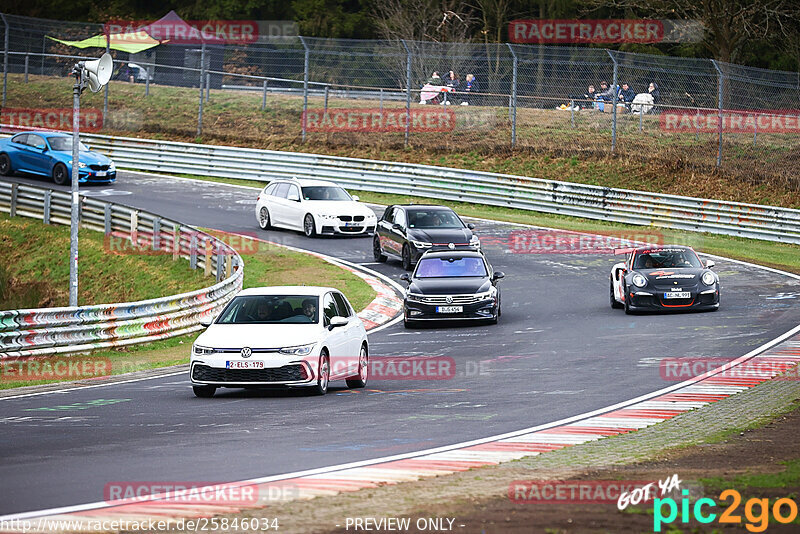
(548, 196)
(44, 331)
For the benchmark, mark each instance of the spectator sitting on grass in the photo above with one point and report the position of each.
(452, 80)
(435, 79)
(626, 94)
(654, 92)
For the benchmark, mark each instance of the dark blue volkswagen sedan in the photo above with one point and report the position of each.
(50, 154)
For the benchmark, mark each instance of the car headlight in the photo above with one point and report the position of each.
(81, 164)
(112, 167)
(639, 280)
(302, 350)
(327, 217)
(491, 294)
(475, 242)
(422, 244)
(708, 278)
(414, 297)
(203, 351)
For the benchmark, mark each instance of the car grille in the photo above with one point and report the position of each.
(99, 167)
(350, 228)
(457, 299)
(287, 373)
(349, 218)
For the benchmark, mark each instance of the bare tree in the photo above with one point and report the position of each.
(449, 23)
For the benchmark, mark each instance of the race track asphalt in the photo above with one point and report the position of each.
(559, 350)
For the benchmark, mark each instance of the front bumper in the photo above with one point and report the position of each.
(277, 371)
(339, 228)
(417, 311)
(86, 176)
(416, 253)
(653, 299)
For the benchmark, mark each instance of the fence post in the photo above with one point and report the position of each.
(12, 212)
(157, 233)
(105, 89)
(755, 130)
(408, 89)
(47, 199)
(264, 99)
(147, 81)
(176, 242)
(719, 112)
(208, 86)
(193, 251)
(381, 102)
(327, 87)
(5, 58)
(202, 71)
(513, 98)
(220, 263)
(614, 103)
(27, 60)
(572, 113)
(107, 219)
(305, 86)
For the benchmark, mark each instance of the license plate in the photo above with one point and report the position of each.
(101, 173)
(449, 309)
(351, 224)
(254, 364)
(678, 295)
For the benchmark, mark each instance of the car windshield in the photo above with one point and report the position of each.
(271, 309)
(667, 258)
(64, 144)
(450, 267)
(433, 219)
(325, 192)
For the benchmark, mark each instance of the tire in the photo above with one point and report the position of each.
(204, 392)
(323, 375)
(628, 310)
(377, 252)
(614, 304)
(406, 258)
(360, 380)
(5, 165)
(263, 219)
(407, 324)
(309, 229)
(60, 174)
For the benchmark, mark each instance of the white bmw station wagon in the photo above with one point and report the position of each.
(314, 207)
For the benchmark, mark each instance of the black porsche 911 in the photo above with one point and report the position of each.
(452, 285)
(669, 277)
(407, 231)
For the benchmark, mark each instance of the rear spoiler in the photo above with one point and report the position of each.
(618, 251)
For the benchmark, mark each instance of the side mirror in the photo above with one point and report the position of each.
(405, 277)
(205, 323)
(338, 321)
(498, 275)
(355, 197)
(87, 147)
(397, 227)
(710, 264)
(471, 226)
(294, 197)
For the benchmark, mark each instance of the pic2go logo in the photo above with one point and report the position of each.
(758, 520)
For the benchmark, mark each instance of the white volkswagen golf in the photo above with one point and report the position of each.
(314, 207)
(291, 336)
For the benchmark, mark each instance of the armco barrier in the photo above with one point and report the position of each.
(549, 196)
(59, 330)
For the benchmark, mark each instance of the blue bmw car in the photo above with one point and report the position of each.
(50, 154)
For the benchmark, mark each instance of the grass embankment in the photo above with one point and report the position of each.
(264, 265)
(34, 272)
(548, 146)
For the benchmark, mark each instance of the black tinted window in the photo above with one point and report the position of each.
(270, 309)
(21, 139)
(329, 308)
(341, 302)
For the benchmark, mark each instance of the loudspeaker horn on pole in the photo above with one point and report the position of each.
(98, 71)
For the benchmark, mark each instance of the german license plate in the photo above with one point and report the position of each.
(351, 224)
(678, 295)
(449, 309)
(101, 173)
(254, 364)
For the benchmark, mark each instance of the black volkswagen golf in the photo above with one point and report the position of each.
(407, 231)
(452, 285)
